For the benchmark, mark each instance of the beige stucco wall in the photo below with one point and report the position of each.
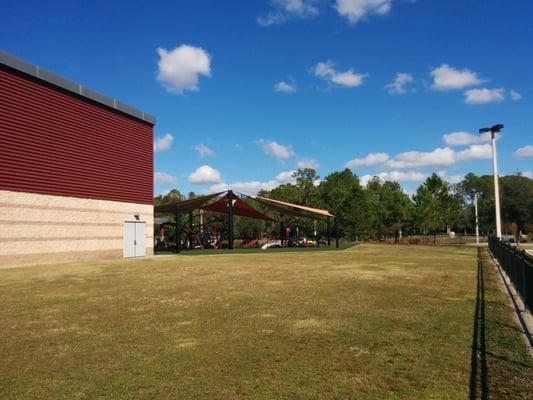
(39, 229)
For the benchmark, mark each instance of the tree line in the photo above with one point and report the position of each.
(382, 209)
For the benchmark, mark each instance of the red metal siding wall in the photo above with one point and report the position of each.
(55, 143)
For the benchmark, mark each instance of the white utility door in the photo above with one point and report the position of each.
(140, 239)
(129, 239)
(134, 239)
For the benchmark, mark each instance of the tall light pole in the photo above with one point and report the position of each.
(495, 129)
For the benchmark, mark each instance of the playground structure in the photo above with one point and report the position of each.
(223, 207)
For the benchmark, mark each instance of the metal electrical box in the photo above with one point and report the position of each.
(134, 239)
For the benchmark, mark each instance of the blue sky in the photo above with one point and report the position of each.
(249, 90)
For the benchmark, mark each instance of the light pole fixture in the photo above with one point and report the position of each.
(493, 130)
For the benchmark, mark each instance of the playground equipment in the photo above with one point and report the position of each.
(228, 203)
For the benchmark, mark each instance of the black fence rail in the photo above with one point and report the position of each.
(518, 265)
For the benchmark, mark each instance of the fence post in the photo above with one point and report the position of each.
(178, 230)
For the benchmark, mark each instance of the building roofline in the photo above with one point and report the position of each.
(73, 87)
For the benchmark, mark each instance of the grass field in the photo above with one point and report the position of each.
(372, 322)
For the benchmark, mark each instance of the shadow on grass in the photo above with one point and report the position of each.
(500, 364)
(479, 388)
(205, 252)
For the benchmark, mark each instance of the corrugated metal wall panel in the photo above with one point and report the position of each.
(52, 142)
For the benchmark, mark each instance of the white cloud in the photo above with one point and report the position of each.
(528, 174)
(524, 152)
(409, 177)
(449, 78)
(465, 138)
(395, 176)
(369, 160)
(355, 10)
(163, 143)
(307, 163)
(515, 96)
(484, 96)
(285, 87)
(180, 69)
(417, 159)
(284, 10)
(248, 187)
(349, 78)
(440, 157)
(475, 152)
(453, 179)
(163, 178)
(205, 174)
(203, 150)
(397, 86)
(252, 187)
(276, 150)
(286, 177)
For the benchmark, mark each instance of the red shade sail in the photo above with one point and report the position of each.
(239, 208)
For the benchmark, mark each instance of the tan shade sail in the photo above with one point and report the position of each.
(281, 207)
(292, 209)
(186, 206)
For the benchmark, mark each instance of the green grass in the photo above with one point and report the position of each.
(373, 322)
(240, 250)
(502, 369)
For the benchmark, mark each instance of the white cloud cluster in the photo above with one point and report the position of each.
(276, 150)
(205, 174)
(515, 96)
(524, 152)
(446, 77)
(528, 174)
(252, 187)
(484, 96)
(284, 10)
(285, 87)
(439, 157)
(453, 179)
(162, 178)
(352, 10)
(465, 138)
(307, 163)
(326, 70)
(203, 150)
(285, 177)
(399, 83)
(356, 10)
(163, 143)
(409, 177)
(419, 159)
(368, 161)
(180, 69)
(395, 176)
(449, 78)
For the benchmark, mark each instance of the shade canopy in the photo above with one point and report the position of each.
(230, 204)
(186, 206)
(218, 203)
(239, 208)
(296, 210)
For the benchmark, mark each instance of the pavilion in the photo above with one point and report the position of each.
(233, 204)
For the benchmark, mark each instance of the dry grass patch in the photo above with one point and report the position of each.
(374, 322)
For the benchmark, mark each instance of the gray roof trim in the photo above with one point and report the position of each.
(56, 80)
